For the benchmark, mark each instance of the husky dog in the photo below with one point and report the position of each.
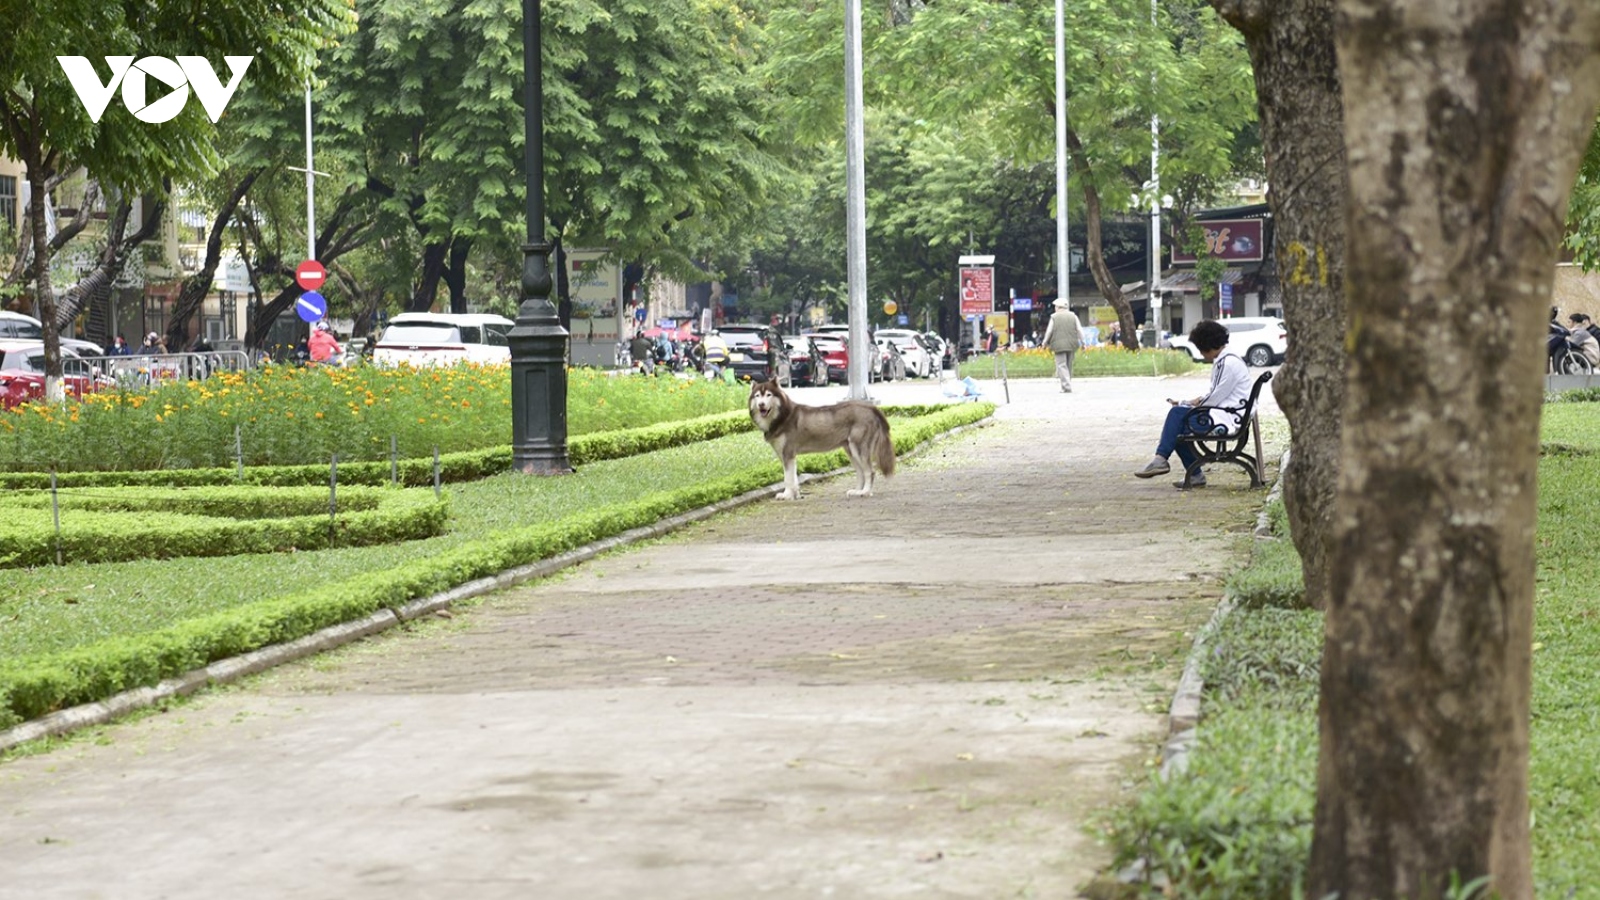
(794, 428)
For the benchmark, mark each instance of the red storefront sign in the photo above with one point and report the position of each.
(1231, 240)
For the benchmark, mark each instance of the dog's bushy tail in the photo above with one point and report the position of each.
(883, 446)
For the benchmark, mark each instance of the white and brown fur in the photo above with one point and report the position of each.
(794, 428)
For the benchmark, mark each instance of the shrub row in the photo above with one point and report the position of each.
(112, 529)
(467, 465)
(100, 670)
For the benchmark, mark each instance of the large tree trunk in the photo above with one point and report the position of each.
(1464, 124)
(1302, 134)
(455, 273)
(44, 296)
(99, 281)
(193, 292)
(22, 266)
(427, 289)
(1094, 247)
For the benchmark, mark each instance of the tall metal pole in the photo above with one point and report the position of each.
(538, 342)
(311, 181)
(1155, 207)
(855, 202)
(1063, 248)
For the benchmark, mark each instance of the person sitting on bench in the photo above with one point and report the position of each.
(1230, 387)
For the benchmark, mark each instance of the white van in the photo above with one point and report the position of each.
(444, 339)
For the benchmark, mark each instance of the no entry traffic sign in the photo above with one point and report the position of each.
(310, 275)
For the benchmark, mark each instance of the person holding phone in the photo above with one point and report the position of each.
(1230, 387)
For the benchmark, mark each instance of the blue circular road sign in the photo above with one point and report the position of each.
(311, 307)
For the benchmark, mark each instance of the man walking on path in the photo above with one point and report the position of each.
(1063, 336)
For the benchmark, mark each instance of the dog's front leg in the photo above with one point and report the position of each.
(791, 480)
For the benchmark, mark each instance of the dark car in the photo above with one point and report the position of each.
(807, 364)
(757, 353)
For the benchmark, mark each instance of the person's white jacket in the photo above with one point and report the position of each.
(1230, 386)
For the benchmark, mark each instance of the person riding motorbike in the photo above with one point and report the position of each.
(324, 347)
(1582, 339)
(1568, 349)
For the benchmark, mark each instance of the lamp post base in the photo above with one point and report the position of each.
(539, 395)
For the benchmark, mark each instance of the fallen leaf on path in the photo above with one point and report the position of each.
(965, 757)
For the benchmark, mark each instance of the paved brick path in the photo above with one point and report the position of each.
(925, 692)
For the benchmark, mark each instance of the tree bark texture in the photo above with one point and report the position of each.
(113, 259)
(1297, 92)
(44, 296)
(1464, 123)
(1094, 247)
(192, 295)
(426, 292)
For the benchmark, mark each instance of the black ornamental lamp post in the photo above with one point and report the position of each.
(538, 342)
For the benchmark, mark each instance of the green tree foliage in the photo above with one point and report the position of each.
(655, 142)
(973, 139)
(1583, 217)
(45, 126)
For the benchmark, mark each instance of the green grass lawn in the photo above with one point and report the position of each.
(48, 609)
(1238, 824)
(1092, 362)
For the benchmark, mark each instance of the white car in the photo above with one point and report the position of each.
(1262, 341)
(14, 325)
(919, 363)
(444, 339)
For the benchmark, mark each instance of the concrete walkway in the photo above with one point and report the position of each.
(924, 693)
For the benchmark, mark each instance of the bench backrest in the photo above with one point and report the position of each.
(1245, 411)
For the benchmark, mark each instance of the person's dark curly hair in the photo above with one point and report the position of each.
(1209, 335)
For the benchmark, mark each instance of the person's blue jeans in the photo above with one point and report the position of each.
(1176, 425)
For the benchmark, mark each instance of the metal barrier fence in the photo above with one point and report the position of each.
(148, 369)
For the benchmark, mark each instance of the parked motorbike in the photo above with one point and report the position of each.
(1565, 358)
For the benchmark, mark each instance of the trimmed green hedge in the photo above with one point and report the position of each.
(467, 465)
(86, 674)
(116, 525)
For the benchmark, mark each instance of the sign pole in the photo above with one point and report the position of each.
(1063, 247)
(855, 203)
(311, 185)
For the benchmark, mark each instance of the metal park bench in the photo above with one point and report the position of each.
(1213, 443)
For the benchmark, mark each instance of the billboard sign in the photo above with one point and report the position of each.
(596, 291)
(1231, 240)
(977, 290)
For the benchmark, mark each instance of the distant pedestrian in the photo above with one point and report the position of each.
(643, 353)
(1064, 335)
(153, 344)
(119, 347)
